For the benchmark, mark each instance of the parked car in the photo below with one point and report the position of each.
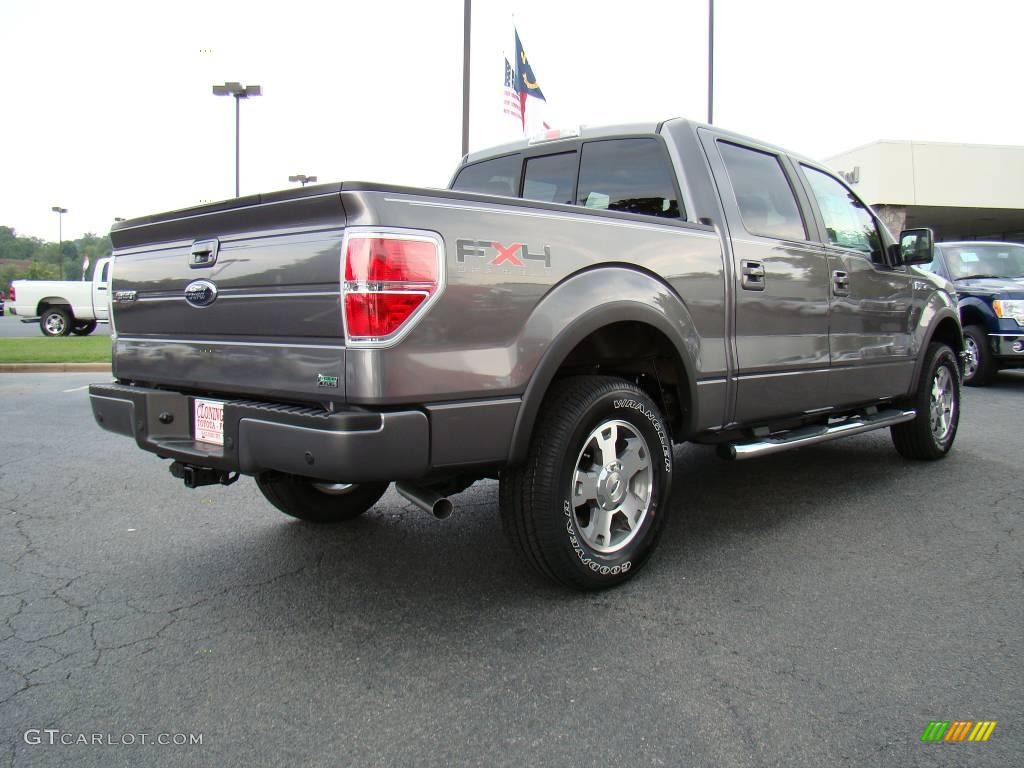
(989, 280)
(2, 302)
(635, 287)
(64, 306)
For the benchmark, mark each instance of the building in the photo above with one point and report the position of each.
(961, 191)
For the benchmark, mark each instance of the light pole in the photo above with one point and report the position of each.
(240, 92)
(60, 236)
(302, 178)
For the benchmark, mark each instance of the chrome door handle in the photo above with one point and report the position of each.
(752, 275)
(840, 283)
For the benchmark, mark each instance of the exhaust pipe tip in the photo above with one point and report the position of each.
(430, 501)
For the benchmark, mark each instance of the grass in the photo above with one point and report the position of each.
(66, 349)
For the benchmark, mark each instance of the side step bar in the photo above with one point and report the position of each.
(798, 438)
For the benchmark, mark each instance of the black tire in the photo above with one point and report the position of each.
(55, 321)
(980, 368)
(561, 538)
(931, 433)
(84, 329)
(302, 498)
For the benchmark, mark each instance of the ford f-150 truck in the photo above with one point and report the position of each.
(989, 280)
(63, 306)
(565, 312)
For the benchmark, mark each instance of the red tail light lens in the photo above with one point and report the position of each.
(388, 279)
(13, 297)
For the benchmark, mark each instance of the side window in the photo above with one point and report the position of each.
(847, 221)
(550, 178)
(766, 201)
(630, 175)
(499, 176)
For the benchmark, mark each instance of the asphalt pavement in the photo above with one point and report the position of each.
(815, 608)
(11, 327)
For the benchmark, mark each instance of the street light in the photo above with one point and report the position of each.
(240, 92)
(302, 178)
(60, 236)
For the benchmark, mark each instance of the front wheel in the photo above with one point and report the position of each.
(55, 322)
(931, 433)
(316, 501)
(587, 507)
(979, 365)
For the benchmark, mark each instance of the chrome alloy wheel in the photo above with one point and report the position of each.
(611, 486)
(55, 324)
(942, 407)
(971, 358)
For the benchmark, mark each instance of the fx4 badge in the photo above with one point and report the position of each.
(513, 255)
(326, 381)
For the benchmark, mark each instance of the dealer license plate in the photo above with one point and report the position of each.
(209, 421)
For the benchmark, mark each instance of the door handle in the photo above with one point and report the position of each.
(840, 283)
(752, 275)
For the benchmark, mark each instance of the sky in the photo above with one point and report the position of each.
(108, 109)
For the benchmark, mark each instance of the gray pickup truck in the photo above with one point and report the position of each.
(557, 319)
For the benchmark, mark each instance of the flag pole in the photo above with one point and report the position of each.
(465, 75)
(711, 60)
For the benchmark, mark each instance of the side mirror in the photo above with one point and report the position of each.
(917, 246)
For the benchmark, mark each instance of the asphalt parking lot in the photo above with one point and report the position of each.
(816, 608)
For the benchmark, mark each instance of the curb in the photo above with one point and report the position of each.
(55, 368)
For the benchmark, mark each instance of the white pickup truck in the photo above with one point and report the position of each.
(63, 306)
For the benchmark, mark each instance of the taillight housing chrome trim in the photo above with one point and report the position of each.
(349, 287)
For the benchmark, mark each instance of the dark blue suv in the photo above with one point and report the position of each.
(989, 280)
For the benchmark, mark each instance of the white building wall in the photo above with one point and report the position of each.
(934, 174)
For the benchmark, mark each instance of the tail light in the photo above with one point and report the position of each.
(13, 297)
(389, 278)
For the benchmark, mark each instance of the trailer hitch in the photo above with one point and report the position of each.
(195, 477)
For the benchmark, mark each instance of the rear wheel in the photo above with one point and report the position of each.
(587, 507)
(84, 329)
(979, 366)
(316, 501)
(55, 322)
(931, 433)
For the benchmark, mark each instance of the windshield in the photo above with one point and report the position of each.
(992, 260)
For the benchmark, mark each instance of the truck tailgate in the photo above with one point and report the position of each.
(240, 297)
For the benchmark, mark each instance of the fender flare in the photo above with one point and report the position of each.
(587, 302)
(973, 303)
(940, 316)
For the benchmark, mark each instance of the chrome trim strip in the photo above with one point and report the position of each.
(786, 373)
(222, 296)
(558, 217)
(702, 382)
(212, 342)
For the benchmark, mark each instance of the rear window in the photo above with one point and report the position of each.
(499, 176)
(765, 199)
(550, 178)
(629, 175)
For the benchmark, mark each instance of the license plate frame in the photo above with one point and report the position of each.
(208, 421)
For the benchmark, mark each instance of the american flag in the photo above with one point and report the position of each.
(513, 106)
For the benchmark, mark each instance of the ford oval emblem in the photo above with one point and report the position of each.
(200, 293)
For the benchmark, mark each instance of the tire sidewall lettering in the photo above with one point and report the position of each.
(652, 417)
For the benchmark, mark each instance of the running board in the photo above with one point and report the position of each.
(798, 438)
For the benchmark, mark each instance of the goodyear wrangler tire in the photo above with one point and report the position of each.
(318, 502)
(587, 507)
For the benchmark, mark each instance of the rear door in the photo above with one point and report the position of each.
(871, 304)
(780, 278)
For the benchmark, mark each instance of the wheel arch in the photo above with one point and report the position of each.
(945, 327)
(54, 302)
(643, 309)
